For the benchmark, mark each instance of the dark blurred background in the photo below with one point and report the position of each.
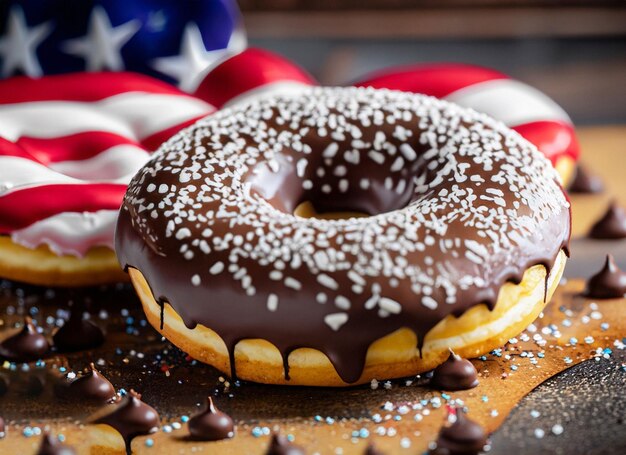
(575, 51)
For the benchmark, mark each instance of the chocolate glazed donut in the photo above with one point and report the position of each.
(458, 205)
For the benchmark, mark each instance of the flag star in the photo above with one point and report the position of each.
(19, 45)
(102, 44)
(193, 59)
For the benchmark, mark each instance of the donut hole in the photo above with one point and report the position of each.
(333, 190)
(307, 209)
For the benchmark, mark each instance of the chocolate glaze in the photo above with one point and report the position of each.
(608, 283)
(612, 225)
(211, 424)
(77, 334)
(280, 445)
(585, 183)
(455, 373)
(144, 237)
(463, 437)
(52, 446)
(92, 387)
(24, 346)
(130, 416)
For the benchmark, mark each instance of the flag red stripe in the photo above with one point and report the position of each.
(248, 70)
(435, 80)
(80, 87)
(555, 139)
(22, 208)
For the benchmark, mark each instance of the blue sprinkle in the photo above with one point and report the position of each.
(445, 396)
(483, 357)
(123, 392)
(61, 437)
(318, 418)
(130, 320)
(604, 326)
(330, 420)
(567, 360)
(364, 433)
(290, 438)
(28, 432)
(149, 442)
(514, 367)
(62, 369)
(573, 340)
(257, 432)
(184, 419)
(485, 398)
(397, 418)
(608, 351)
(355, 434)
(541, 355)
(118, 351)
(266, 430)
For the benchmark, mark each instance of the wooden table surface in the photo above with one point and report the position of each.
(343, 421)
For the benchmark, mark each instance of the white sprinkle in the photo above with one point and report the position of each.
(163, 188)
(408, 151)
(195, 280)
(429, 302)
(342, 303)
(340, 171)
(301, 167)
(183, 233)
(330, 150)
(276, 275)
(376, 156)
(358, 279)
(321, 298)
(397, 165)
(293, 283)
(336, 320)
(272, 302)
(372, 302)
(328, 281)
(216, 268)
(539, 433)
(390, 305)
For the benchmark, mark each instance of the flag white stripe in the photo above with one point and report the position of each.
(115, 163)
(129, 114)
(509, 101)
